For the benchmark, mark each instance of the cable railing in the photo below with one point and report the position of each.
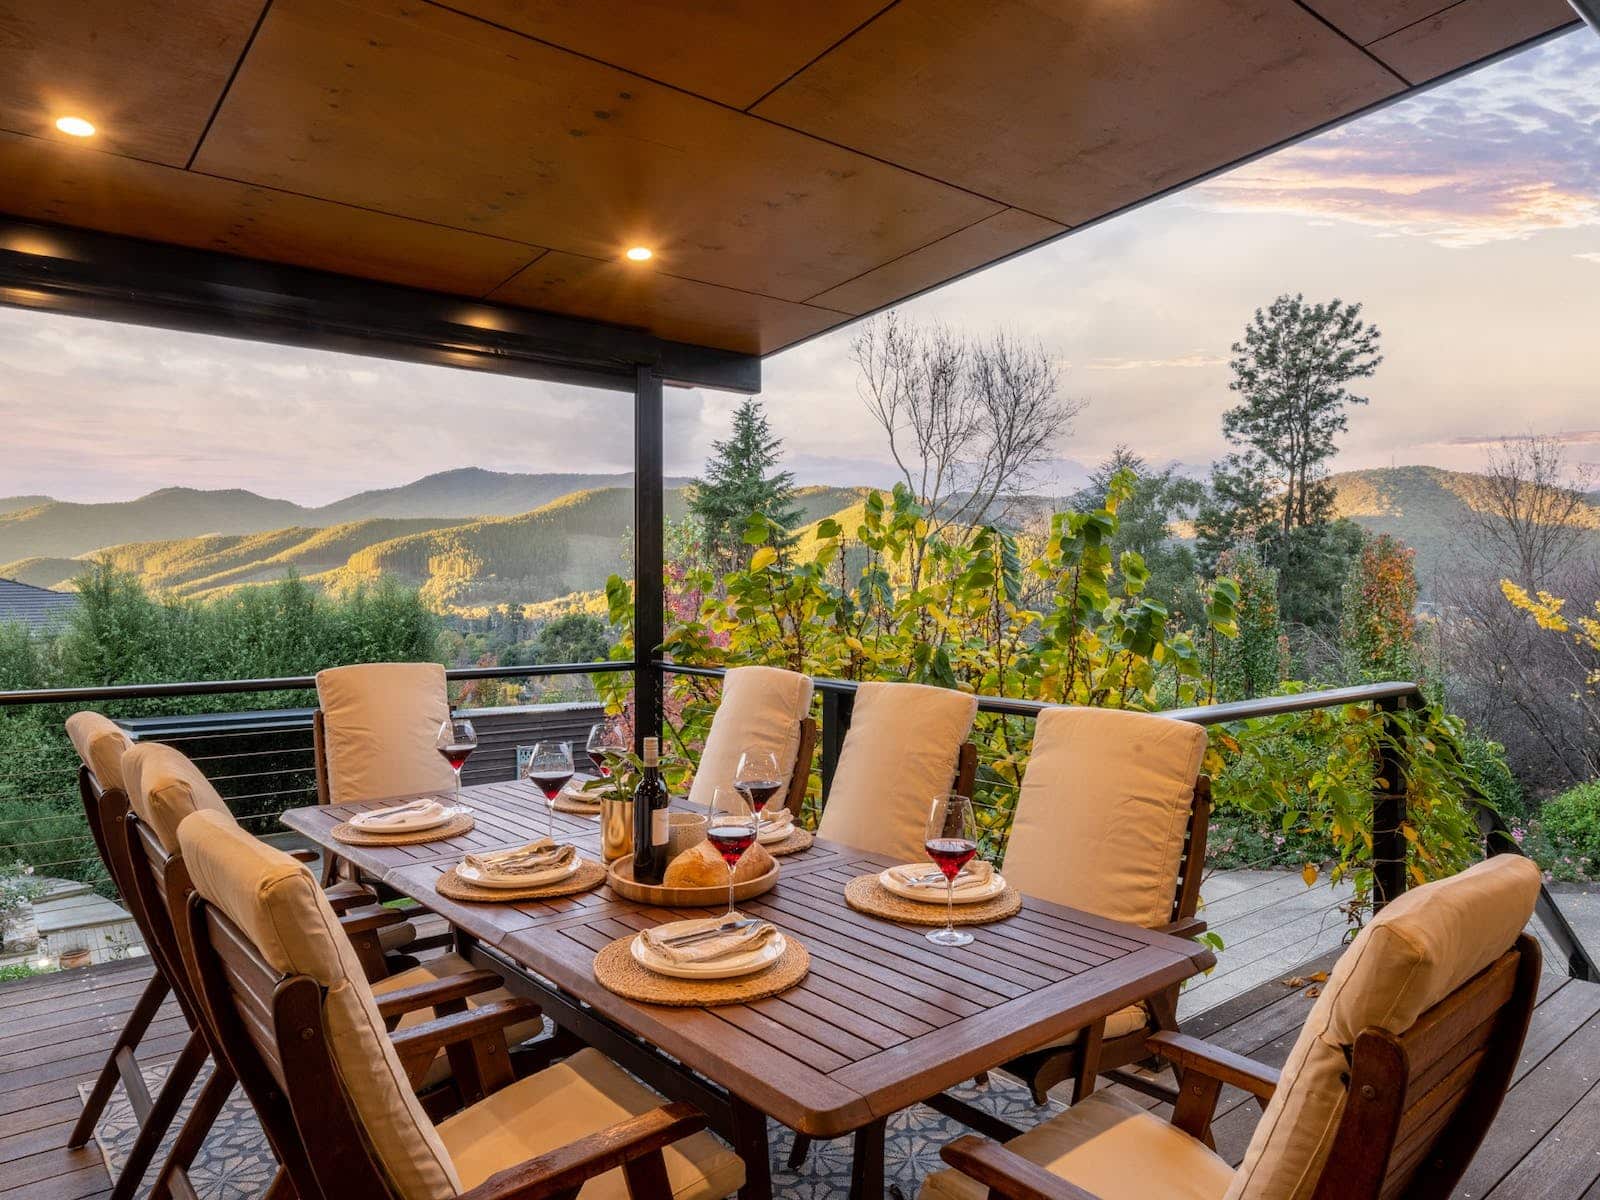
(262, 762)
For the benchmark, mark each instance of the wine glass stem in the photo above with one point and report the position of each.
(730, 915)
(458, 787)
(950, 905)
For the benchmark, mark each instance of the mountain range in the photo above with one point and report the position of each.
(473, 539)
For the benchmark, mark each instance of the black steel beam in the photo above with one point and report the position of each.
(81, 273)
(649, 552)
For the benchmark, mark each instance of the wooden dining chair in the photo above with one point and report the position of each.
(906, 744)
(289, 1007)
(1392, 1085)
(1111, 818)
(761, 708)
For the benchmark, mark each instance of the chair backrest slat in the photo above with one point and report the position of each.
(1192, 862)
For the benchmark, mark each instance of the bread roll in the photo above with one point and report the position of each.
(702, 866)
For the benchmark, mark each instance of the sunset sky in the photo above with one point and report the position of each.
(1465, 220)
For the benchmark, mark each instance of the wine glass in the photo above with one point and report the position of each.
(550, 767)
(951, 842)
(455, 742)
(606, 740)
(757, 778)
(732, 830)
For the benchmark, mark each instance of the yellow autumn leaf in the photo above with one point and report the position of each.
(763, 558)
(1309, 873)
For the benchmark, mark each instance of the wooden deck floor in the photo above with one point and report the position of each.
(55, 1031)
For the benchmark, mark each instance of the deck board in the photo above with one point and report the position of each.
(1544, 1143)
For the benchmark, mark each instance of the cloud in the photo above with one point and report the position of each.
(1569, 437)
(1593, 257)
(1501, 154)
(1198, 358)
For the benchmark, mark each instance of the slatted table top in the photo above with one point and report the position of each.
(883, 1020)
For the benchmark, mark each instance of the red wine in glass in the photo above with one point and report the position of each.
(550, 782)
(731, 841)
(758, 791)
(950, 854)
(602, 764)
(456, 754)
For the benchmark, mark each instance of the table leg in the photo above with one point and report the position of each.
(866, 1163)
(750, 1143)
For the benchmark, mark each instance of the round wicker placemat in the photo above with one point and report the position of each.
(616, 969)
(865, 894)
(568, 805)
(797, 841)
(352, 835)
(587, 877)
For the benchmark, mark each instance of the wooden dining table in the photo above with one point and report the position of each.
(884, 1019)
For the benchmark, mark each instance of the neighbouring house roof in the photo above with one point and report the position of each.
(35, 607)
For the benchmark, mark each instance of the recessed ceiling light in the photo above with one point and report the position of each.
(76, 126)
(641, 254)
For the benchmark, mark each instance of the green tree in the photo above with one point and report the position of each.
(1144, 523)
(1378, 624)
(1291, 370)
(1253, 663)
(741, 480)
(572, 638)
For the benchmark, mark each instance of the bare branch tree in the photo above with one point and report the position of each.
(1530, 515)
(969, 421)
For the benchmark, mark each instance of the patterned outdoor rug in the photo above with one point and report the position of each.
(236, 1164)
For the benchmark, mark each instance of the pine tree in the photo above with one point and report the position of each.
(740, 480)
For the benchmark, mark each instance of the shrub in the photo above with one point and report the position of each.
(1570, 824)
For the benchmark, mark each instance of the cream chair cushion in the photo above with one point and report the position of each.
(442, 966)
(1112, 1148)
(1103, 810)
(901, 752)
(100, 744)
(1119, 1024)
(277, 905)
(1417, 951)
(380, 721)
(761, 709)
(164, 787)
(582, 1095)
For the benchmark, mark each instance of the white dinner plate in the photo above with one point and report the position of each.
(730, 967)
(768, 836)
(478, 879)
(936, 895)
(413, 823)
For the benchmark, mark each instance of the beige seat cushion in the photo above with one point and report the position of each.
(582, 1095)
(1415, 953)
(379, 725)
(1119, 1024)
(277, 905)
(100, 744)
(900, 753)
(1103, 810)
(1112, 1148)
(441, 967)
(761, 709)
(164, 787)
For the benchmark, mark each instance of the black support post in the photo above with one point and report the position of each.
(1389, 810)
(837, 707)
(649, 522)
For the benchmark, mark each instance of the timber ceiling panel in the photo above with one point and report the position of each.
(147, 76)
(1465, 32)
(421, 112)
(1071, 108)
(72, 186)
(680, 309)
(731, 51)
(791, 165)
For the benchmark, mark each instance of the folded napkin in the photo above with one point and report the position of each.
(779, 821)
(401, 816)
(975, 876)
(740, 941)
(575, 790)
(540, 858)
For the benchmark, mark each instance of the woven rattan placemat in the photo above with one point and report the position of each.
(587, 877)
(797, 841)
(616, 969)
(352, 835)
(865, 894)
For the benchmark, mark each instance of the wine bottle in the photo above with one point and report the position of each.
(650, 825)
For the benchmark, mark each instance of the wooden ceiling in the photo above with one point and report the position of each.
(791, 165)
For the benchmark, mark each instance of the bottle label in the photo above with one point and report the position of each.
(659, 826)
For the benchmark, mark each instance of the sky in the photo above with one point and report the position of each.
(1466, 221)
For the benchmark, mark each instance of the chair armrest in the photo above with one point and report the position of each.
(398, 1001)
(1007, 1172)
(1186, 927)
(368, 919)
(430, 1037)
(1191, 1054)
(304, 856)
(563, 1171)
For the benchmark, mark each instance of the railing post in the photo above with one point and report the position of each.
(649, 533)
(1389, 809)
(836, 710)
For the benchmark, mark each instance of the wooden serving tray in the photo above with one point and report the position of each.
(620, 876)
